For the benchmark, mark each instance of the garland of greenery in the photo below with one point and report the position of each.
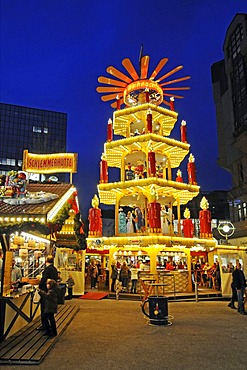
(24, 226)
(79, 232)
(61, 216)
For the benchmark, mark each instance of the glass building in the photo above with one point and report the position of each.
(37, 130)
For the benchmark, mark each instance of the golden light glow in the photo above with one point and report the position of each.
(109, 193)
(49, 163)
(144, 84)
(176, 150)
(52, 213)
(156, 241)
(34, 237)
(160, 116)
(21, 219)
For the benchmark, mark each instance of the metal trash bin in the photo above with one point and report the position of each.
(158, 310)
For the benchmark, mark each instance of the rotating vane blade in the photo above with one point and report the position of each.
(130, 69)
(116, 73)
(158, 68)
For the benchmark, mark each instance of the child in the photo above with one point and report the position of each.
(70, 283)
(50, 307)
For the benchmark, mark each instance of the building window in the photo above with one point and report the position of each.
(7, 161)
(239, 212)
(37, 129)
(238, 81)
(244, 211)
(235, 42)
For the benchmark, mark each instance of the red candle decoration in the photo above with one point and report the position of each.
(172, 106)
(191, 170)
(205, 218)
(188, 228)
(95, 221)
(151, 164)
(154, 209)
(147, 95)
(183, 131)
(103, 171)
(149, 121)
(179, 177)
(109, 130)
(118, 102)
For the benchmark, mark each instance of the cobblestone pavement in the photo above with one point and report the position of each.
(110, 334)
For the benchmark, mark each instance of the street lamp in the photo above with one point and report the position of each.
(226, 229)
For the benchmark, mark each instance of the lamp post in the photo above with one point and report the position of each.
(226, 229)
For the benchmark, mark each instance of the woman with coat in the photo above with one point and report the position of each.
(124, 276)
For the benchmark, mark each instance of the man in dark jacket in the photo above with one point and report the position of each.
(239, 282)
(50, 272)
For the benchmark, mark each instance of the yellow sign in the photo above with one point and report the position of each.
(49, 163)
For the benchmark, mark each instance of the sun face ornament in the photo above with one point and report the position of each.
(133, 89)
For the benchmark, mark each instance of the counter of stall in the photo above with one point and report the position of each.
(71, 263)
(17, 310)
(176, 281)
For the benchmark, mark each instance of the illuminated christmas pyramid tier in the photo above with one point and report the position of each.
(136, 148)
(130, 120)
(135, 192)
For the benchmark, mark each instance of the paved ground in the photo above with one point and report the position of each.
(110, 334)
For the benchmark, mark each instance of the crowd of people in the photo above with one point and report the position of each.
(206, 275)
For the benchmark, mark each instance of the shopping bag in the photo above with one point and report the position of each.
(36, 297)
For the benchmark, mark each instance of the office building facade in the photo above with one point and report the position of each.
(37, 130)
(229, 79)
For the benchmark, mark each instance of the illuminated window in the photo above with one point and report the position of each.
(244, 211)
(239, 212)
(7, 161)
(37, 129)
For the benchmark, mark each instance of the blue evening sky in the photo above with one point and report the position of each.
(53, 51)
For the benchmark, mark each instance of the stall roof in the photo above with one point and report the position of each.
(43, 208)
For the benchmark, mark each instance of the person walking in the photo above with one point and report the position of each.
(134, 277)
(124, 276)
(114, 274)
(50, 272)
(50, 298)
(234, 297)
(239, 282)
(93, 272)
